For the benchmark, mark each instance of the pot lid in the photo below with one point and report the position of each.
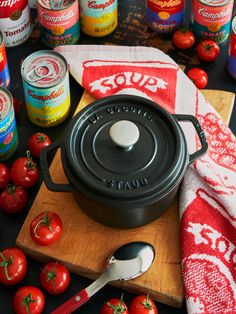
(124, 148)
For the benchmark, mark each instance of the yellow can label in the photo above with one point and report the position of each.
(98, 18)
(47, 107)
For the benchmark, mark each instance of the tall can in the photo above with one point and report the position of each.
(46, 87)
(99, 17)
(59, 22)
(15, 21)
(164, 17)
(4, 71)
(8, 130)
(231, 65)
(211, 19)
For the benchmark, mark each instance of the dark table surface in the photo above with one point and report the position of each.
(133, 31)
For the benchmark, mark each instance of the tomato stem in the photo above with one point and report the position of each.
(147, 304)
(117, 309)
(51, 275)
(30, 164)
(26, 302)
(45, 221)
(41, 137)
(6, 263)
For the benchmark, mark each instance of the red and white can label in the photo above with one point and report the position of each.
(15, 22)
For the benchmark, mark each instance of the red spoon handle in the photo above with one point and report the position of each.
(73, 303)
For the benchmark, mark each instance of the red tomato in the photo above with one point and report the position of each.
(198, 76)
(142, 304)
(114, 306)
(55, 278)
(46, 228)
(207, 50)
(37, 142)
(28, 300)
(24, 172)
(16, 104)
(13, 199)
(183, 39)
(4, 176)
(13, 266)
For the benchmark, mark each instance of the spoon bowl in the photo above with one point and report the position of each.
(129, 261)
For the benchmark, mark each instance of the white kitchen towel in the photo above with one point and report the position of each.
(208, 191)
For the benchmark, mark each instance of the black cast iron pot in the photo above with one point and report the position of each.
(124, 157)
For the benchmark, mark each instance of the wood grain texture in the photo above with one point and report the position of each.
(85, 244)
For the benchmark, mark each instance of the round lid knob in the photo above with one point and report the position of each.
(124, 134)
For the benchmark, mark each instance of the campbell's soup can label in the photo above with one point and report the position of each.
(8, 131)
(59, 22)
(211, 19)
(46, 87)
(166, 16)
(231, 66)
(15, 21)
(98, 18)
(4, 71)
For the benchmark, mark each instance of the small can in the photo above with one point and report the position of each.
(164, 17)
(211, 19)
(46, 88)
(59, 22)
(8, 131)
(15, 21)
(4, 71)
(231, 66)
(98, 18)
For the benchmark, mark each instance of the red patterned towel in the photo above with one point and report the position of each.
(208, 191)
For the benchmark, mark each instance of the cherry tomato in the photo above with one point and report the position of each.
(183, 39)
(114, 306)
(207, 50)
(4, 176)
(142, 304)
(24, 172)
(46, 228)
(55, 278)
(13, 199)
(13, 266)
(28, 300)
(198, 76)
(16, 104)
(37, 142)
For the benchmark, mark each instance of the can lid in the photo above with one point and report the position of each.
(55, 4)
(44, 68)
(215, 3)
(5, 103)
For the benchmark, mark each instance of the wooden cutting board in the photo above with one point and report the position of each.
(85, 244)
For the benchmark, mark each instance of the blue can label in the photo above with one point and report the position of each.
(4, 76)
(8, 131)
(232, 66)
(165, 16)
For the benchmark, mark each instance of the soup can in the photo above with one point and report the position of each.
(15, 21)
(98, 18)
(4, 72)
(164, 17)
(46, 87)
(211, 19)
(59, 22)
(231, 66)
(8, 131)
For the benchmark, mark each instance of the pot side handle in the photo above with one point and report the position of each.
(200, 132)
(55, 187)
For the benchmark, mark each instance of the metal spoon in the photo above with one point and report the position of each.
(129, 261)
